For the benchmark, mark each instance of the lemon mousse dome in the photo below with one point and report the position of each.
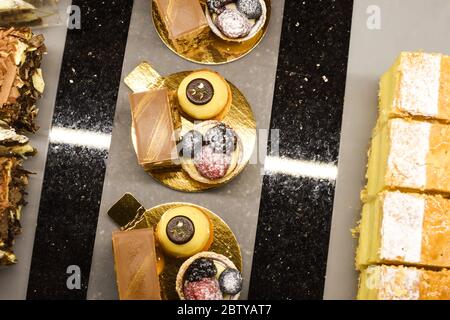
(204, 95)
(184, 231)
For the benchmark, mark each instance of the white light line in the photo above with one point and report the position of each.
(299, 168)
(84, 138)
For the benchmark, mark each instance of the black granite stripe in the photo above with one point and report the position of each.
(295, 212)
(73, 181)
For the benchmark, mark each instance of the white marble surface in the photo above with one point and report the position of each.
(14, 279)
(238, 202)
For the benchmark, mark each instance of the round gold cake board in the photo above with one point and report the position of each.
(224, 243)
(240, 118)
(212, 50)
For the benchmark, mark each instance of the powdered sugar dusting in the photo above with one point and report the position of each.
(398, 283)
(419, 84)
(233, 24)
(410, 142)
(401, 230)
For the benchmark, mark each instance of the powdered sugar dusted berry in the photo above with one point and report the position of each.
(205, 289)
(230, 281)
(221, 138)
(251, 8)
(212, 165)
(233, 24)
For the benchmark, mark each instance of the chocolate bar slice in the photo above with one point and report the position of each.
(155, 130)
(21, 82)
(135, 265)
(185, 22)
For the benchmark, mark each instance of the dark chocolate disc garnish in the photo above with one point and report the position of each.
(199, 91)
(180, 230)
(252, 9)
(191, 144)
(221, 138)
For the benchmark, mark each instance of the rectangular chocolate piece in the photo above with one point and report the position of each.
(185, 23)
(182, 17)
(154, 128)
(135, 265)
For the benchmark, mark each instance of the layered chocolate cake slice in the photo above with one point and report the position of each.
(21, 82)
(18, 12)
(13, 181)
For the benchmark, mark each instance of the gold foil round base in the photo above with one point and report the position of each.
(240, 118)
(212, 50)
(224, 243)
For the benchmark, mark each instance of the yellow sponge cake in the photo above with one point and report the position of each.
(405, 228)
(413, 155)
(417, 85)
(402, 283)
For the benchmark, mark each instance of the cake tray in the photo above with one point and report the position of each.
(212, 50)
(129, 214)
(240, 118)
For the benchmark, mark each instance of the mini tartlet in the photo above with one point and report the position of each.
(216, 156)
(208, 276)
(254, 25)
(184, 231)
(204, 95)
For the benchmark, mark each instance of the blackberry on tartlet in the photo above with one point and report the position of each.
(191, 144)
(217, 6)
(221, 138)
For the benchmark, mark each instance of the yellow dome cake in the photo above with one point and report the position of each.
(204, 95)
(184, 231)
